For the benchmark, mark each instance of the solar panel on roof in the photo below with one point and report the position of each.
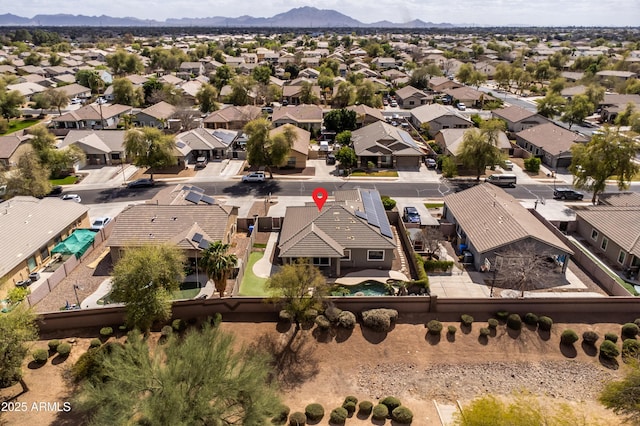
(196, 237)
(361, 214)
(197, 189)
(383, 221)
(193, 197)
(207, 199)
(180, 144)
(369, 209)
(204, 244)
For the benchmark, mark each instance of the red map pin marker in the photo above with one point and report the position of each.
(319, 196)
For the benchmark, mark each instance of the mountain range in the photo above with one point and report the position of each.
(302, 17)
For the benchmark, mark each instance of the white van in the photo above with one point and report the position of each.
(504, 180)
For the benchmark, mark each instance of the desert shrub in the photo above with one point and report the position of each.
(53, 345)
(502, 315)
(545, 323)
(314, 412)
(178, 325)
(388, 203)
(466, 320)
(532, 164)
(484, 331)
(297, 419)
(391, 402)
(612, 337)
(40, 356)
(365, 407)
(280, 415)
(310, 315)
(630, 349)
(637, 322)
(87, 366)
(402, 415)
(568, 337)
(493, 323)
(17, 294)
(322, 322)
(284, 316)
(608, 349)
(452, 329)
(166, 331)
(95, 343)
(379, 319)
(530, 319)
(350, 398)
(347, 320)
(630, 330)
(350, 406)
(514, 322)
(332, 313)
(590, 337)
(434, 327)
(380, 412)
(64, 349)
(106, 332)
(338, 415)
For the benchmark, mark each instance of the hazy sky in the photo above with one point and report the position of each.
(481, 12)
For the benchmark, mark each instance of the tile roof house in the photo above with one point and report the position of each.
(308, 117)
(75, 90)
(292, 93)
(439, 117)
(156, 115)
(613, 104)
(300, 150)
(101, 147)
(619, 199)
(12, 146)
(450, 140)
(409, 97)
(26, 89)
(549, 142)
(232, 117)
(348, 233)
(440, 84)
(386, 146)
(518, 119)
(366, 115)
(214, 144)
(488, 221)
(469, 96)
(185, 226)
(29, 231)
(90, 117)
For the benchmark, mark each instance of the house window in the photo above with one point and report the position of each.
(621, 256)
(44, 253)
(291, 162)
(594, 235)
(321, 261)
(347, 256)
(115, 155)
(604, 243)
(375, 255)
(31, 263)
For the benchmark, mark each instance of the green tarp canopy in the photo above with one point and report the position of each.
(76, 244)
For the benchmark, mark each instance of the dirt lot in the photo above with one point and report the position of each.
(404, 363)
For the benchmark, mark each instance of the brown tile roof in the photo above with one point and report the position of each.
(466, 92)
(620, 199)
(491, 218)
(9, 144)
(298, 113)
(92, 112)
(161, 110)
(113, 139)
(619, 224)
(234, 113)
(408, 91)
(513, 113)
(381, 138)
(366, 110)
(551, 137)
(301, 144)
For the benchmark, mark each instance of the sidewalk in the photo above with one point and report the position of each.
(263, 268)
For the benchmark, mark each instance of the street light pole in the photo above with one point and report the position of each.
(75, 290)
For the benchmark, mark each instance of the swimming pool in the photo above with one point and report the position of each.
(367, 288)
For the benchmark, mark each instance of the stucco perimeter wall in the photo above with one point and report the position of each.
(412, 309)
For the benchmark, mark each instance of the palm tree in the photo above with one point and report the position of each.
(217, 264)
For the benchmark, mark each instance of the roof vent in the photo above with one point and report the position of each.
(153, 219)
(174, 218)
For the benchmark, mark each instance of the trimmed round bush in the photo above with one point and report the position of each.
(502, 315)
(608, 349)
(106, 332)
(350, 398)
(391, 402)
(178, 325)
(310, 315)
(53, 345)
(630, 349)
(590, 337)
(280, 415)
(484, 331)
(452, 329)
(314, 412)
(514, 322)
(637, 322)
(630, 330)
(568, 337)
(545, 323)
(297, 419)
(64, 349)
(493, 323)
(332, 313)
(347, 320)
(350, 406)
(323, 322)
(434, 327)
(365, 407)
(612, 337)
(530, 319)
(402, 415)
(376, 320)
(40, 356)
(380, 412)
(166, 331)
(95, 343)
(339, 415)
(466, 320)
(284, 316)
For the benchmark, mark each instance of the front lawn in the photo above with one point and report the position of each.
(379, 173)
(69, 180)
(251, 284)
(16, 125)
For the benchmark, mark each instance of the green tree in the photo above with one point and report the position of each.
(464, 73)
(307, 94)
(624, 117)
(223, 75)
(17, 328)
(479, 148)
(125, 93)
(261, 74)
(41, 102)
(206, 97)
(56, 98)
(421, 76)
(83, 77)
(30, 177)
(595, 94)
(607, 154)
(10, 102)
(33, 59)
(345, 95)
(449, 167)
(502, 76)
(347, 157)
(577, 110)
(344, 138)
(203, 378)
(623, 396)
(58, 161)
(264, 150)
(366, 95)
(477, 78)
(557, 85)
(122, 63)
(551, 105)
(218, 264)
(149, 147)
(240, 88)
(298, 287)
(338, 120)
(143, 279)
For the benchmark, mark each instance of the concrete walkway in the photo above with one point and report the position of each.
(381, 276)
(263, 268)
(91, 302)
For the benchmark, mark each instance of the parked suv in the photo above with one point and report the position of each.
(253, 177)
(411, 215)
(201, 163)
(567, 194)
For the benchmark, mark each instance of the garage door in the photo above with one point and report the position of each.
(408, 162)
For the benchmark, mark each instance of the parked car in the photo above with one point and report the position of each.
(141, 183)
(567, 194)
(331, 159)
(411, 215)
(267, 110)
(461, 106)
(394, 104)
(101, 101)
(99, 223)
(56, 190)
(71, 197)
(504, 180)
(75, 101)
(201, 163)
(430, 163)
(254, 177)
(34, 276)
(508, 165)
